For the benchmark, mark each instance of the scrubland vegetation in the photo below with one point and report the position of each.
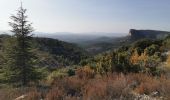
(30, 69)
(85, 85)
(137, 71)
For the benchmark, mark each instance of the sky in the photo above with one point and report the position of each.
(79, 16)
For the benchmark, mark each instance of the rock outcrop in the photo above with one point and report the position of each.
(150, 34)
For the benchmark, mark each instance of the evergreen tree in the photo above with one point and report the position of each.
(18, 51)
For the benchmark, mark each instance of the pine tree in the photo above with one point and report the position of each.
(18, 51)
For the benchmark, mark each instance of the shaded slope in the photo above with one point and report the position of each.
(52, 52)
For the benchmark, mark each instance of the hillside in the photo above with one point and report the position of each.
(103, 44)
(54, 53)
(95, 43)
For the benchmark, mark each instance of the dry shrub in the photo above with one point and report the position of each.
(72, 98)
(71, 85)
(85, 73)
(139, 78)
(146, 84)
(149, 84)
(57, 81)
(110, 86)
(55, 94)
(33, 95)
(9, 94)
(74, 85)
(164, 88)
(148, 87)
(94, 90)
(29, 93)
(106, 89)
(118, 86)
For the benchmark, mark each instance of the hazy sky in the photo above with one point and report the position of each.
(90, 15)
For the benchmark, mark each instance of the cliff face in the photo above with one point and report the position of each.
(150, 34)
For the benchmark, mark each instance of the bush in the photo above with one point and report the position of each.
(55, 94)
(55, 75)
(71, 72)
(85, 73)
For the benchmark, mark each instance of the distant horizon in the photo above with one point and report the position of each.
(72, 33)
(80, 33)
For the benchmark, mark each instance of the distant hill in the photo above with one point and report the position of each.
(77, 37)
(98, 42)
(103, 44)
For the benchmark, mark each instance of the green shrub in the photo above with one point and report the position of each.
(71, 72)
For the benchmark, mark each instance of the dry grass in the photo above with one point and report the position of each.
(112, 86)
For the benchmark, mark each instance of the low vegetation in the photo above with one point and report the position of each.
(139, 70)
(93, 87)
